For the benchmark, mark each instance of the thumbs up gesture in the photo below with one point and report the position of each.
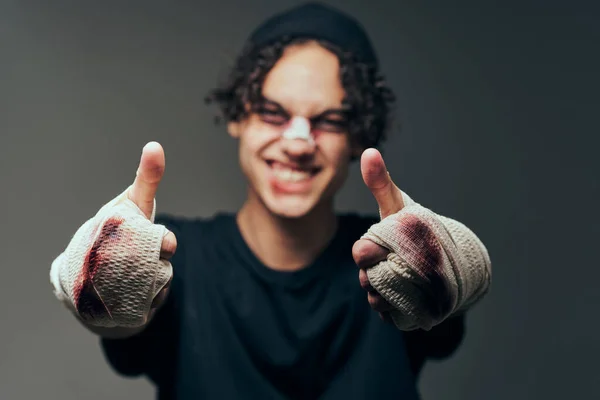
(144, 188)
(389, 199)
(115, 271)
(431, 267)
(143, 194)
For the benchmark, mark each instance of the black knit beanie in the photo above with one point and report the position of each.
(317, 21)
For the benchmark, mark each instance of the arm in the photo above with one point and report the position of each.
(438, 343)
(150, 350)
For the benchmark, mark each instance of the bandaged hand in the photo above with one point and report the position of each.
(115, 269)
(418, 268)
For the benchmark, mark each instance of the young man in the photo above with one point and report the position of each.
(267, 303)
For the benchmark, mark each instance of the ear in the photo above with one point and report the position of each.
(233, 128)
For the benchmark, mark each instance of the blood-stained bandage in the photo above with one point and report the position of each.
(436, 267)
(111, 270)
(299, 128)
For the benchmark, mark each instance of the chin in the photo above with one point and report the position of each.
(290, 208)
(297, 205)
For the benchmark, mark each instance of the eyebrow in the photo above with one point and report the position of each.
(336, 111)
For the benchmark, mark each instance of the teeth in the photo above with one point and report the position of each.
(286, 174)
(299, 176)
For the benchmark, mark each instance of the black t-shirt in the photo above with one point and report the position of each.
(232, 328)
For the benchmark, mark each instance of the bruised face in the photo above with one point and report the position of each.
(294, 146)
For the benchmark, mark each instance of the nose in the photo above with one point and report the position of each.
(297, 141)
(299, 128)
(298, 148)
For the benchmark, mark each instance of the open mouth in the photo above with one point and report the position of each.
(292, 173)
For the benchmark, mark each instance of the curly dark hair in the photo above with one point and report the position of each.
(368, 98)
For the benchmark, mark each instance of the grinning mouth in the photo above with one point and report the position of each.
(290, 172)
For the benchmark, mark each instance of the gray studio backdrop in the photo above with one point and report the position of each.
(497, 107)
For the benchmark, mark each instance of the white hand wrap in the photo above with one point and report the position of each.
(111, 270)
(436, 267)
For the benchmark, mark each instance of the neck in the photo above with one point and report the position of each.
(286, 244)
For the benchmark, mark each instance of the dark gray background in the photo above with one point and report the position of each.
(499, 107)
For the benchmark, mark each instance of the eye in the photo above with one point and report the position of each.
(272, 116)
(331, 125)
